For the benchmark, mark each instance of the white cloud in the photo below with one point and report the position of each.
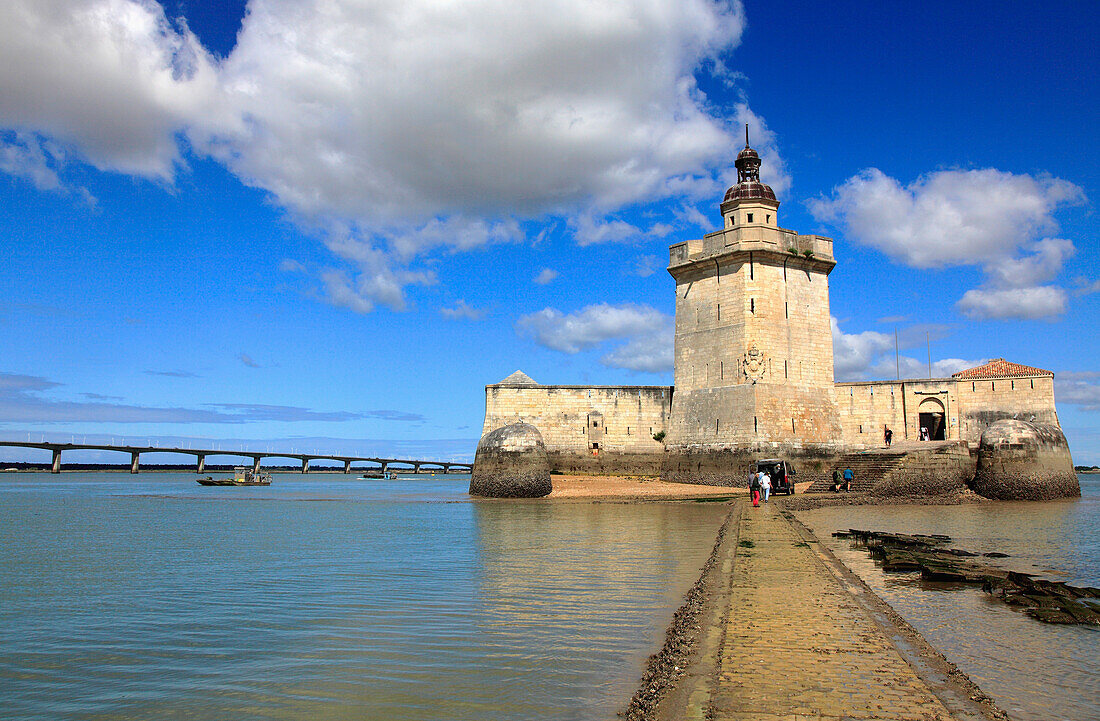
(24, 157)
(1075, 389)
(1086, 287)
(462, 310)
(488, 105)
(546, 275)
(871, 355)
(111, 77)
(412, 126)
(691, 214)
(984, 217)
(589, 231)
(1043, 301)
(645, 265)
(1043, 262)
(652, 353)
(647, 330)
(853, 353)
(888, 367)
(950, 217)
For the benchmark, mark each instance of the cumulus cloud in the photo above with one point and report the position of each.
(853, 353)
(648, 333)
(1021, 303)
(546, 275)
(650, 352)
(24, 155)
(988, 218)
(404, 127)
(462, 310)
(113, 78)
(1079, 389)
(870, 355)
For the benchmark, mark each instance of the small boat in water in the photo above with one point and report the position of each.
(241, 477)
(378, 476)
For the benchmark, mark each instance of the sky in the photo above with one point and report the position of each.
(326, 225)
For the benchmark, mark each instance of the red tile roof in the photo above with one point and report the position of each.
(1000, 368)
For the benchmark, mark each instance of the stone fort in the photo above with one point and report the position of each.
(754, 378)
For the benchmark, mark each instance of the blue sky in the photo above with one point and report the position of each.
(329, 225)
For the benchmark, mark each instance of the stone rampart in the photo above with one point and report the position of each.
(715, 465)
(1023, 461)
(511, 462)
(587, 429)
(941, 469)
(984, 402)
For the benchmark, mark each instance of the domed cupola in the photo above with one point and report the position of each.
(749, 187)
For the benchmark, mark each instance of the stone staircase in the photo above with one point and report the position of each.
(871, 465)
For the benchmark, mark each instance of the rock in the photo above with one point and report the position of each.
(1022, 461)
(511, 462)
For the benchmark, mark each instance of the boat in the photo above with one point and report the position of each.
(242, 476)
(378, 476)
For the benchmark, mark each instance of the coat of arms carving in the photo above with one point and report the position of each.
(754, 363)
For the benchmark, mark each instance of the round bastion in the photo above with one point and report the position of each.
(511, 462)
(1023, 461)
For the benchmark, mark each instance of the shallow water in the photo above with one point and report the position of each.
(1035, 671)
(324, 597)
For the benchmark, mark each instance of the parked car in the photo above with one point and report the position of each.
(782, 474)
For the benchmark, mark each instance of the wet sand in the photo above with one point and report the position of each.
(634, 488)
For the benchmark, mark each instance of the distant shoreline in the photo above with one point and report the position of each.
(190, 468)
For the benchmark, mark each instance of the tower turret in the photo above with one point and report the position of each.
(754, 351)
(750, 202)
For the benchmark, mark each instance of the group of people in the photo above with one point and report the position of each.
(760, 484)
(842, 481)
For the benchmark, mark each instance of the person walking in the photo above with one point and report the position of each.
(848, 476)
(888, 436)
(755, 488)
(836, 480)
(766, 484)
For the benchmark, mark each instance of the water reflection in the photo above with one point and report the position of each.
(329, 598)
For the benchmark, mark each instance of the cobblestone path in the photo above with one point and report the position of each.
(797, 645)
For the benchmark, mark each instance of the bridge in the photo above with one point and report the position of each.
(200, 454)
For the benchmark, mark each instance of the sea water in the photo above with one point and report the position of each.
(1035, 671)
(327, 597)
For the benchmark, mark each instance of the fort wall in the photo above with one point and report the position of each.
(754, 377)
(587, 429)
(867, 408)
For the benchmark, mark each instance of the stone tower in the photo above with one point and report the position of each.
(754, 350)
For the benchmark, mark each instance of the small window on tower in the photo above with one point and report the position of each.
(767, 219)
(749, 220)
